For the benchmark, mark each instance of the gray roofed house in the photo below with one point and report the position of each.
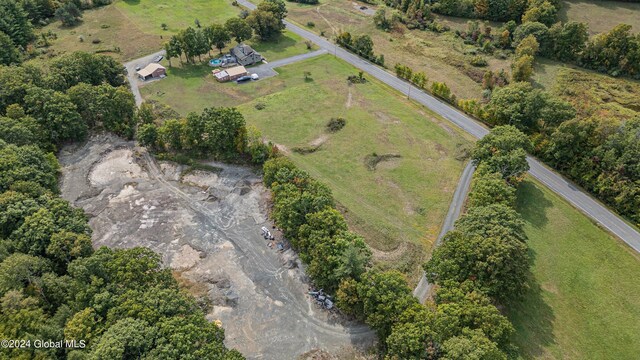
(245, 55)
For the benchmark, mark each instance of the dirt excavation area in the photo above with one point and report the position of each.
(206, 225)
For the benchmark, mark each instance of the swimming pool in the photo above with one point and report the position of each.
(215, 62)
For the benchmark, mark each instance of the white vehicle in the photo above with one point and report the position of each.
(254, 77)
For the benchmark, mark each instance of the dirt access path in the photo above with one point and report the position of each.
(206, 225)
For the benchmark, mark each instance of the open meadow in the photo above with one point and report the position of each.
(149, 15)
(601, 15)
(583, 300)
(129, 29)
(114, 32)
(392, 168)
(442, 57)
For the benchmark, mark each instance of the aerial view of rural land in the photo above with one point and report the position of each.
(320, 179)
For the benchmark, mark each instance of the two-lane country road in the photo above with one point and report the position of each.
(558, 184)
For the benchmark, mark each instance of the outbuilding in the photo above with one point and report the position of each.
(230, 74)
(151, 71)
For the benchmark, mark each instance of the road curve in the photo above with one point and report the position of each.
(557, 183)
(422, 290)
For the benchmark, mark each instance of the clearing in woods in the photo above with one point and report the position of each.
(402, 199)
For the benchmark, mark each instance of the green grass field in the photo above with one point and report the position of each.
(601, 16)
(130, 29)
(112, 28)
(283, 46)
(149, 15)
(400, 205)
(583, 301)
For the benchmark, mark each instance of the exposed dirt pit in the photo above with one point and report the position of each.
(206, 226)
(117, 163)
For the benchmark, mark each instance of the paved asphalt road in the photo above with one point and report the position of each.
(558, 184)
(266, 70)
(423, 288)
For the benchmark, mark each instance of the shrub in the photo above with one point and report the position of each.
(478, 61)
(336, 124)
(311, 24)
(441, 90)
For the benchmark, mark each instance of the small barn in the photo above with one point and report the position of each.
(230, 74)
(245, 55)
(151, 71)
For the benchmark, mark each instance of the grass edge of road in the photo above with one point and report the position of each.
(582, 299)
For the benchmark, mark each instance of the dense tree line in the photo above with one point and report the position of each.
(598, 153)
(77, 92)
(528, 109)
(461, 323)
(305, 211)
(603, 156)
(53, 284)
(488, 244)
(216, 132)
(266, 21)
(616, 52)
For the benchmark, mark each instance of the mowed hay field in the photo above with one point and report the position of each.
(583, 301)
(399, 206)
(601, 16)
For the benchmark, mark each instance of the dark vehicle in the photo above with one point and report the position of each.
(138, 67)
(158, 58)
(243, 79)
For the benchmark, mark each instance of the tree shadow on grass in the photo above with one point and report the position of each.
(532, 204)
(532, 317)
(533, 320)
(278, 44)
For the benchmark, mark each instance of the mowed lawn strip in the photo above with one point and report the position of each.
(584, 301)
